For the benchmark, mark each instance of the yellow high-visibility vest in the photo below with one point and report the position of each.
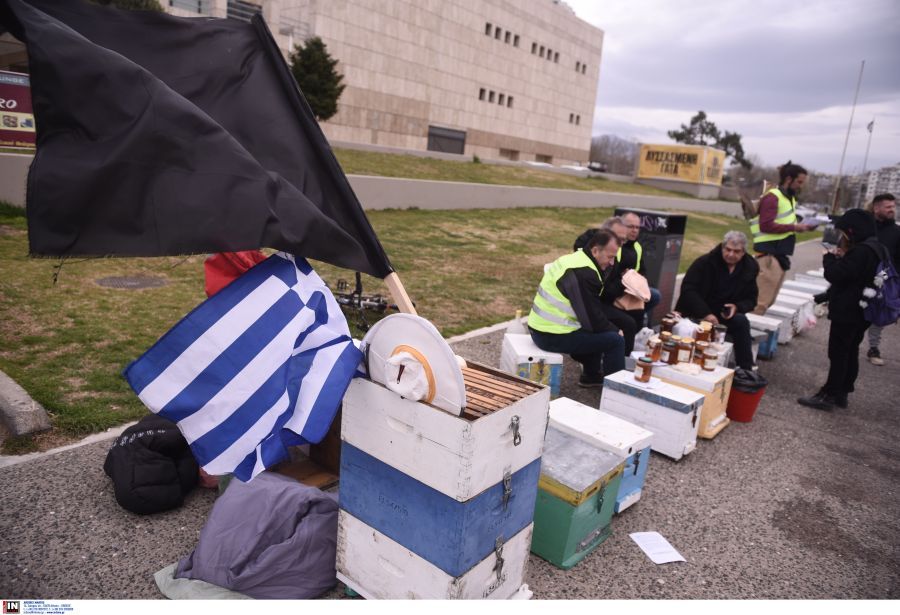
(786, 215)
(551, 311)
(640, 252)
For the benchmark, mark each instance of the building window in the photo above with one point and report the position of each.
(501, 99)
(446, 140)
(507, 37)
(491, 96)
(549, 54)
(583, 68)
(497, 32)
(543, 158)
(509, 102)
(578, 120)
(542, 51)
(556, 57)
(516, 40)
(481, 94)
(533, 48)
(241, 10)
(571, 118)
(487, 28)
(509, 154)
(578, 66)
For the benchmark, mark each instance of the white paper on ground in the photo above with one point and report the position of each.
(656, 547)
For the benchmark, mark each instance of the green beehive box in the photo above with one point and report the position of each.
(576, 498)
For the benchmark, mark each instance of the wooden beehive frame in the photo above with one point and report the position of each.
(489, 390)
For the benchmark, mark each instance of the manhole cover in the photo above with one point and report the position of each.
(131, 283)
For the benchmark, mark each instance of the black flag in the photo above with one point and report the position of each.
(159, 135)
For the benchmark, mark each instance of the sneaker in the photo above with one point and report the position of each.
(874, 356)
(590, 382)
(819, 401)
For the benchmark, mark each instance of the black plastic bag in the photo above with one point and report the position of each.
(748, 381)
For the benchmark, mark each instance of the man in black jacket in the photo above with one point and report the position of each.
(884, 210)
(849, 270)
(720, 287)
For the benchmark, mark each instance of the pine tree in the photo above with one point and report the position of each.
(701, 131)
(314, 70)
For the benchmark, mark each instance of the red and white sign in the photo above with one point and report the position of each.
(16, 117)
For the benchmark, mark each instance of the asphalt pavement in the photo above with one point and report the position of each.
(798, 503)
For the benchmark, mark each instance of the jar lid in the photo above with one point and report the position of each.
(647, 360)
(687, 340)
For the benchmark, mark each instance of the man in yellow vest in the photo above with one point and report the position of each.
(775, 231)
(631, 256)
(567, 315)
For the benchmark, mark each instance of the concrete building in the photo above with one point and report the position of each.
(500, 79)
(886, 179)
(492, 78)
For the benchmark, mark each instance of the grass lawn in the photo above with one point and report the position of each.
(414, 167)
(67, 342)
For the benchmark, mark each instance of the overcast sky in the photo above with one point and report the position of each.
(780, 73)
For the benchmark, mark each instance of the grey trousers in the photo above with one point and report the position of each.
(875, 336)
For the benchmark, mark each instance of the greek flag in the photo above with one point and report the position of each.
(259, 366)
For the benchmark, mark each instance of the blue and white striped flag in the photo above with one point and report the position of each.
(259, 366)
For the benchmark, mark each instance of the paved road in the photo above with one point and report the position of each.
(797, 504)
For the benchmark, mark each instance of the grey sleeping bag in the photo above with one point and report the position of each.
(270, 538)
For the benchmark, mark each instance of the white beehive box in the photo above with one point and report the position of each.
(715, 386)
(520, 357)
(789, 317)
(611, 433)
(672, 413)
(377, 567)
(804, 286)
(501, 432)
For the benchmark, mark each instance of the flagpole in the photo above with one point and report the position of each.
(395, 286)
(871, 129)
(837, 186)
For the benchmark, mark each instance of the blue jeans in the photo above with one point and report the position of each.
(601, 354)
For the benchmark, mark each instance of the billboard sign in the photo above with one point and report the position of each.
(696, 164)
(16, 117)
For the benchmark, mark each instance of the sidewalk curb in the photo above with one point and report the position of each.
(113, 432)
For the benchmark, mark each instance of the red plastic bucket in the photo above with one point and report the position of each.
(742, 406)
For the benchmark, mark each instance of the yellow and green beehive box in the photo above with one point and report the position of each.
(576, 498)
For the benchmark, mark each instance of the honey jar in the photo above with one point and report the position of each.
(669, 353)
(642, 369)
(665, 336)
(667, 325)
(699, 352)
(685, 348)
(654, 348)
(710, 360)
(704, 333)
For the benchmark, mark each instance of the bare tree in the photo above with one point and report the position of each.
(616, 153)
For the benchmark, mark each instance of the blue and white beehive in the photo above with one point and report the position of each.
(671, 412)
(610, 433)
(435, 505)
(521, 357)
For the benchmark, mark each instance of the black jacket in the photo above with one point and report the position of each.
(699, 285)
(583, 289)
(889, 236)
(850, 274)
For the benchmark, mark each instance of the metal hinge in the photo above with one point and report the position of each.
(694, 419)
(498, 551)
(541, 368)
(507, 488)
(600, 498)
(637, 462)
(514, 425)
